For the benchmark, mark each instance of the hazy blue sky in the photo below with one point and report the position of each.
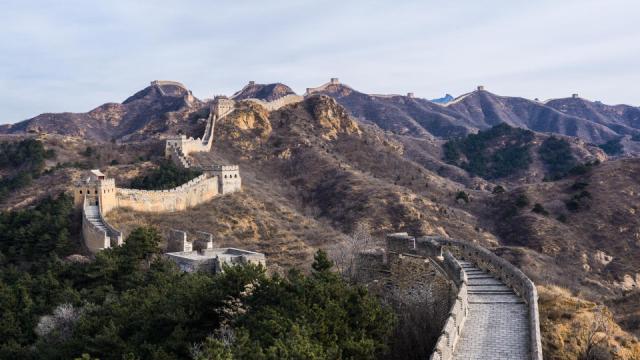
(75, 55)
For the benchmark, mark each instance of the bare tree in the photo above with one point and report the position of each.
(345, 254)
(59, 324)
(595, 336)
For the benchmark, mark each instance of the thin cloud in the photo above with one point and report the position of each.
(77, 55)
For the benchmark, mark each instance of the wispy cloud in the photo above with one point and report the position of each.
(75, 55)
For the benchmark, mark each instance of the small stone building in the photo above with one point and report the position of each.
(202, 256)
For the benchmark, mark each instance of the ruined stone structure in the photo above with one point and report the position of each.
(202, 256)
(495, 312)
(480, 88)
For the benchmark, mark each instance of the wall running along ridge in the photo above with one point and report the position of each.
(279, 102)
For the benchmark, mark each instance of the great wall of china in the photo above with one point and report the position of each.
(494, 312)
(96, 194)
(487, 307)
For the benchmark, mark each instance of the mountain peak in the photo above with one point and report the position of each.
(160, 89)
(266, 92)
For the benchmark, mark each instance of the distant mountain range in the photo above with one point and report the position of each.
(157, 107)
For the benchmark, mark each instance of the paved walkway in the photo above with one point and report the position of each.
(497, 327)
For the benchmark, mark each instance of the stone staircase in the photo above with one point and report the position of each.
(497, 326)
(92, 213)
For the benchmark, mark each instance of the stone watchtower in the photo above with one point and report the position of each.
(228, 178)
(334, 81)
(98, 189)
(222, 105)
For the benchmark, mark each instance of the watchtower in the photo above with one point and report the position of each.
(410, 95)
(334, 81)
(228, 178)
(222, 105)
(480, 87)
(98, 189)
(575, 96)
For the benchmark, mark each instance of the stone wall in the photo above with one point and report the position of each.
(95, 239)
(509, 275)
(458, 313)
(455, 318)
(199, 190)
(278, 103)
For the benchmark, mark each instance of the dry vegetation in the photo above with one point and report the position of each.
(573, 328)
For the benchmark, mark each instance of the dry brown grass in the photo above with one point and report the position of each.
(566, 322)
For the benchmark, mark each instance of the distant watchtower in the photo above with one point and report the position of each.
(334, 81)
(575, 96)
(410, 95)
(222, 105)
(480, 87)
(228, 178)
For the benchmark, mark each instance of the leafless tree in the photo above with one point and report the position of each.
(595, 337)
(60, 323)
(345, 254)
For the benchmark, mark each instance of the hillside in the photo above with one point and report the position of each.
(155, 109)
(478, 110)
(311, 172)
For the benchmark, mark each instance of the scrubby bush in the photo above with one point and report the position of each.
(522, 200)
(539, 209)
(556, 154)
(612, 147)
(461, 195)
